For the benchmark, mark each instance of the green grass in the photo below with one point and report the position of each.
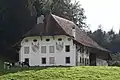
(62, 73)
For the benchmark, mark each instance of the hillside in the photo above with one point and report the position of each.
(63, 73)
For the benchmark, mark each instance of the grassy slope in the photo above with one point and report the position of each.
(65, 73)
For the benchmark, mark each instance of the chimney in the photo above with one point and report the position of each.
(40, 19)
(73, 32)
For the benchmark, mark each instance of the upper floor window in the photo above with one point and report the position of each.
(60, 39)
(67, 60)
(51, 49)
(26, 50)
(43, 49)
(26, 40)
(67, 48)
(82, 49)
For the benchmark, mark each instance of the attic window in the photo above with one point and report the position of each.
(35, 40)
(60, 39)
(69, 39)
(47, 39)
(26, 40)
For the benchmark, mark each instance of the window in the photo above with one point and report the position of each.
(26, 50)
(69, 39)
(87, 61)
(67, 48)
(43, 49)
(82, 49)
(83, 60)
(43, 60)
(60, 39)
(47, 39)
(87, 52)
(35, 40)
(51, 49)
(52, 60)
(80, 60)
(67, 60)
(27, 60)
(26, 40)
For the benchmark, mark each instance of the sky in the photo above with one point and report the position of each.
(104, 12)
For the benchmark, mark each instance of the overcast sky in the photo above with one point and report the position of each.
(104, 12)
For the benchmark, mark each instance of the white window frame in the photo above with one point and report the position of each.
(43, 49)
(66, 46)
(26, 50)
(51, 60)
(51, 49)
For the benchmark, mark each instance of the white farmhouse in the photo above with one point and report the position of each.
(59, 42)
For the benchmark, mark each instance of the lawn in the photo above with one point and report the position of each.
(62, 73)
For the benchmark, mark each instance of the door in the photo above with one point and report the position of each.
(27, 60)
(92, 59)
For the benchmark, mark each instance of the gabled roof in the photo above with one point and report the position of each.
(55, 25)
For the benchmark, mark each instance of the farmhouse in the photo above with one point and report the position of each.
(55, 41)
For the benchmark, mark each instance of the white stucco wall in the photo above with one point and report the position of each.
(35, 58)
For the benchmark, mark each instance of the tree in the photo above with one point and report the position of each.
(62, 8)
(19, 16)
(99, 36)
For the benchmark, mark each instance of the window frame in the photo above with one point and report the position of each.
(59, 39)
(43, 60)
(35, 40)
(50, 60)
(26, 60)
(47, 40)
(26, 51)
(42, 49)
(80, 60)
(67, 60)
(50, 49)
(67, 48)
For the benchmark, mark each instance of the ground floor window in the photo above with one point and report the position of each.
(83, 60)
(67, 60)
(87, 61)
(43, 60)
(52, 60)
(26, 61)
(80, 60)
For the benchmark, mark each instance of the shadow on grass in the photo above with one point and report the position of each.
(15, 70)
